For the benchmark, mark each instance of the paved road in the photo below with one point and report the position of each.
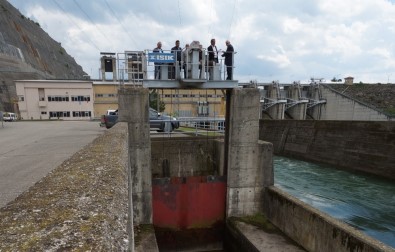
(30, 150)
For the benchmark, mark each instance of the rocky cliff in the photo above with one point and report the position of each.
(28, 52)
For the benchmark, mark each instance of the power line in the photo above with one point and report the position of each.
(88, 38)
(231, 21)
(179, 15)
(86, 14)
(211, 20)
(123, 27)
(179, 11)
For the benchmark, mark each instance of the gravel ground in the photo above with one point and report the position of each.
(79, 206)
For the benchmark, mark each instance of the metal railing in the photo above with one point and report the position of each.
(136, 66)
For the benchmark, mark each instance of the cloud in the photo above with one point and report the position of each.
(287, 40)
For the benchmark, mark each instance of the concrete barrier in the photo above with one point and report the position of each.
(315, 230)
(80, 205)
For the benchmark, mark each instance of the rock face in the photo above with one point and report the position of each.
(28, 52)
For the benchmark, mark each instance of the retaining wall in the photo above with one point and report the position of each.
(315, 230)
(339, 106)
(358, 145)
(185, 156)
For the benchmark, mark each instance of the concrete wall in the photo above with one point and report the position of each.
(314, 230)
(248, 158)
(133, 109)
(364, 146)
(341, 107)
(185, 156)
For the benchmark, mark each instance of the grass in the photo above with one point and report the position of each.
(390, 111)
(258, 220)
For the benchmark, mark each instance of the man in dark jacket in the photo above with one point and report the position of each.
(177, 51)
(212, 58)
(212, 53)
(229, 59)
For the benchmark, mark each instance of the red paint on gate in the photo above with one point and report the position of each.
(191, 202)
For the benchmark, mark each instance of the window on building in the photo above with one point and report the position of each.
(43, 112)
(82, 113)
(78, 98)
(21, 98)
(202, 108)
(56, 98)
(59, 114)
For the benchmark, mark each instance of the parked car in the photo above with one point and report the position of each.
(162, 123)
(9, 117)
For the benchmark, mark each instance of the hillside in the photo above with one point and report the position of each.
(28, 52)
(379, 96)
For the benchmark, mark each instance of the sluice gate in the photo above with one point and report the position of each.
(167, 189)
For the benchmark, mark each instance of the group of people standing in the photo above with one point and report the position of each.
(212, 51)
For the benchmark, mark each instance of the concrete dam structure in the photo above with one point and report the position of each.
(171, 194)
(102, 170)
(320, 101)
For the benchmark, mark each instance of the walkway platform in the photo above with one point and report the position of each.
(191, 84)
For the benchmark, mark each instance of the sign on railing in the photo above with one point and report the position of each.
(161, 57)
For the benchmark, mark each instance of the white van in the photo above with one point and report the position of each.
(9, 117)
(111, 112)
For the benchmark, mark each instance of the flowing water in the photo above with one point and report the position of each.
(364, 202)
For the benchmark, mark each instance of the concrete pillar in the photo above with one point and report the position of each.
(164, 72)
(133, 109)
(298, 112)
(276, 112)
(194, 55)
(250, 166)
(316, 112)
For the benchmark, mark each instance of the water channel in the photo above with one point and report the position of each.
(364, 202)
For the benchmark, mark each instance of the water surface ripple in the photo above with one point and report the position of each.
(364, 202)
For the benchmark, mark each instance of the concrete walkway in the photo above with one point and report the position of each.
(29, 150)
(268, 242)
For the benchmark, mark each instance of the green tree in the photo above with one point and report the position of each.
(153, 101)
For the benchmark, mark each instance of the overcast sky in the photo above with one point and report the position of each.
(283, 40)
